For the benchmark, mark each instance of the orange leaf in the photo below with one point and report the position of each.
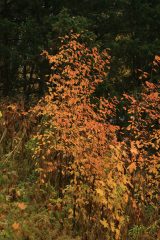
(22, 206)
(150, 85)
(132, 167)
(15, 226)
(134, 150)
(157, 58)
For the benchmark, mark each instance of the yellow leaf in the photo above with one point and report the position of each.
(18, 193)
(117, 234)
(70, 213)
(120, 167)
(126, 198)
(104, 223)
(100, 192)
(112, 227)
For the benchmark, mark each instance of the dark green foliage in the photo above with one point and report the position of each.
(129, 28)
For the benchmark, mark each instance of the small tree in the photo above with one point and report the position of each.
(76, 142)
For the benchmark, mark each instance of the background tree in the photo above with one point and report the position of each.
(129, 28)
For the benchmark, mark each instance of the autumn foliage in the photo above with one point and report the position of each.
(75, 139)
(105, 175)
(77, 148)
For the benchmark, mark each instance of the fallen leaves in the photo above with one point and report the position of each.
(21, 205)
(16, 226)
